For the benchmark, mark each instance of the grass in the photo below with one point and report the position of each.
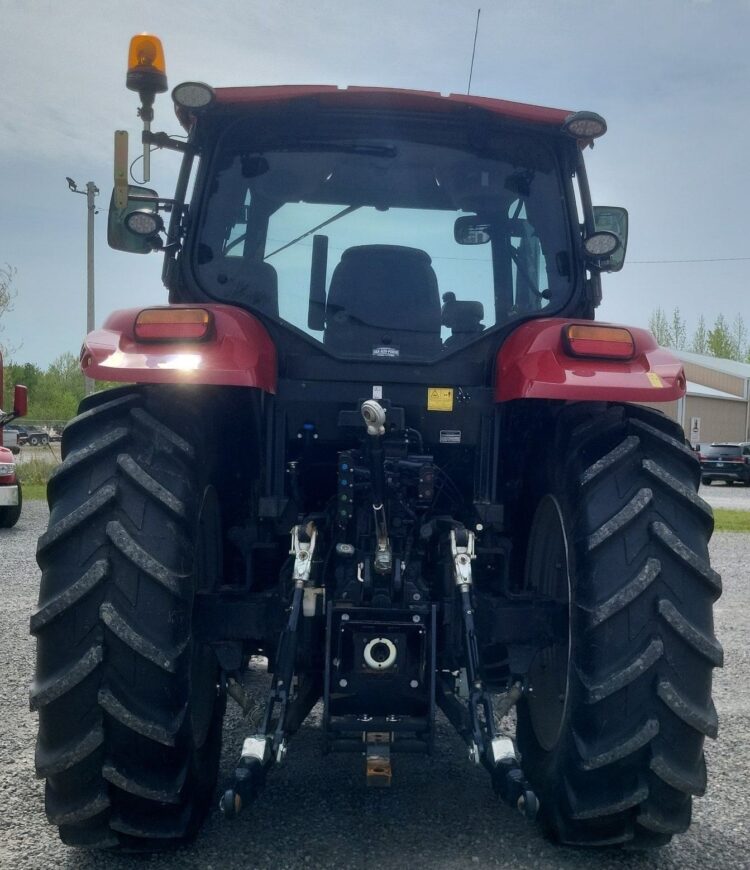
(731, 521)
(35, 472)
(34, 491)
(34, 475)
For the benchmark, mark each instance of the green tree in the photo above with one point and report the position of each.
(59, 390)
(739, 337)
(699, 344)
(678, 331)
(8, 293)
(720, 340)
(659, 326)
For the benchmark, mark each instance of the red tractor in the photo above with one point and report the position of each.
(11, 496)
(377, 438)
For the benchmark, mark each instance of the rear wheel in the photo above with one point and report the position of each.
(130, 709)
(9, 516)
(611, 733)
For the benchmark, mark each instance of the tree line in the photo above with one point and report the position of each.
(54, 392)
(725, 340)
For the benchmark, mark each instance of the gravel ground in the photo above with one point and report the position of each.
(317, 812)
(721, 495)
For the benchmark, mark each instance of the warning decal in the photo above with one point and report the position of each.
(656, 381)
(439, 398)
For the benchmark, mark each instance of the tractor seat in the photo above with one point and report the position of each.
(250, 283)
(463, 318)
(383, 300)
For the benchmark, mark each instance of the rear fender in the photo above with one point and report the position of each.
(238, 352)
(534, 364)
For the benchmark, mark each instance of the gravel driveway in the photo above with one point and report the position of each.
(719, 495)
(316, 811)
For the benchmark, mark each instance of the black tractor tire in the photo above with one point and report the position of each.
(130, 705)
(612, 741)
(9, 516)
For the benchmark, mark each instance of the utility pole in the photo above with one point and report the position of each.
(91, 191)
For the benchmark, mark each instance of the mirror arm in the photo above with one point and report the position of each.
(164, 140)
(157, 201)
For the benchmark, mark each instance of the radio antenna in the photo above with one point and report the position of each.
(473, 52)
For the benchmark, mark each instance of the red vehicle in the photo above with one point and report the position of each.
(11, 497)
(377, 437)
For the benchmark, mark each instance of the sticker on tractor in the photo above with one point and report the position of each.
(377, 392)
(655, 380)
(386, 352)
(450, 436)
(439, 398)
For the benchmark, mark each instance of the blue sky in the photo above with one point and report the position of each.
(672, 77)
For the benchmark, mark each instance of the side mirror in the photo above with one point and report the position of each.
(612, 219)
(470, 230)
(119, 235)
(20, 401)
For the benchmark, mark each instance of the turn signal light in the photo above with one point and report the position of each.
(147, 69)
(172, 324)
(609, 342)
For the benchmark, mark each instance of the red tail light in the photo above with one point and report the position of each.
(608, 342)
(172, 324)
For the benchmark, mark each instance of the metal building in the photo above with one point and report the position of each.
(717, 404)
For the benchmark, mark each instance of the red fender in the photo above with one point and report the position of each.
(238, 352)
(534, 364)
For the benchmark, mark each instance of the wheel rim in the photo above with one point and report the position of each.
(548, 576)
(203, 673)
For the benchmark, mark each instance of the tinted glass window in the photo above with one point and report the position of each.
(721, 450)
(394, 276)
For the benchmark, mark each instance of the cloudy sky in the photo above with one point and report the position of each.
(672, 77)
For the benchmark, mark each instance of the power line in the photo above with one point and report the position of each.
(699, 260)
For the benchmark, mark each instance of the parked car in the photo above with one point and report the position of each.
(10, 490)
(729, 462)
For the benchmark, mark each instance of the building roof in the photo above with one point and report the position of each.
(694, 389)
(727, 366)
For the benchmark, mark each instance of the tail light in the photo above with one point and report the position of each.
(173, 324)
(607, 342)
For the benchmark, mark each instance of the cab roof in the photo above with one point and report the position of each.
(389, 98)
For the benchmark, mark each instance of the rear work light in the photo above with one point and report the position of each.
(173, 324)
(608, 342)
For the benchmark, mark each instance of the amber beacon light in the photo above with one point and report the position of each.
(147, 69)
